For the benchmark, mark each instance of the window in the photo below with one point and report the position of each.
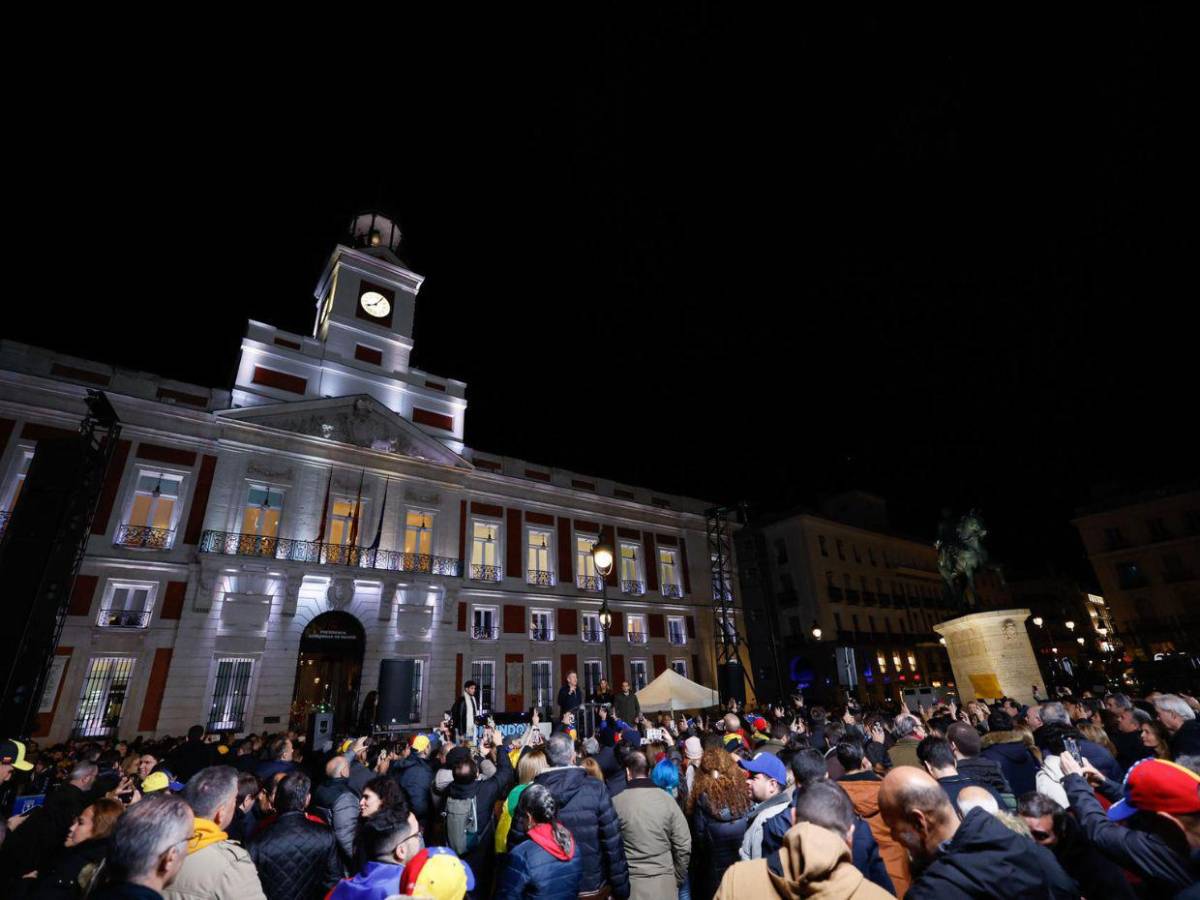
(781, 556)
(12, 491)
(676, 630)
(541, 625)
(592, 673)
(1113, 539)
(841, 550)
(483, 623)
(631, 572)
(635, 629)
(418, 533)
(879, 658)
(857, 558)
(260, 520)
(485, 551)
(591, 628)
(483, 673)
(541, 683)
(668, 573)
(103, 696)
(585, 566)
(837, 620)
(341, 521)
(637, 673)
(787, 590)
(127, 604)
(1158, 530)
(151, 520)
(871, 556)
(230, 691)
(1129, 575)
(824, 547)
(538, 546)
(680, 666)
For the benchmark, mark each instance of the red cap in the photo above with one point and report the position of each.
(1155, 785)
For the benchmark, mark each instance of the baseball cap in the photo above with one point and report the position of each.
(631, 736)
(436, 872)
(692, 748)
(760, 724)
(420, 743)
(160, 781)
(765, 764)
(12, 753)
(1155, 785)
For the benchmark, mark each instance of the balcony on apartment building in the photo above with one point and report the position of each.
(325, 553)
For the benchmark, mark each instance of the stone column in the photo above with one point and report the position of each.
(992, 656)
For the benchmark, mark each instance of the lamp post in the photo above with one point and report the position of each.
(602, 557)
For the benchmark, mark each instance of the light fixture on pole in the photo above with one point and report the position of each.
(1080, 641)
(942, 641)
(816, 631)
(1070, 625)
(1037, 620)
(602, 559)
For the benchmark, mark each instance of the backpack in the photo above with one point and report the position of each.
(462, 824)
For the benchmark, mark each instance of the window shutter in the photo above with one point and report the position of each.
(514, 565)
(462, 615)
(618, 623)
(195, 522)
(657, 625)
(609, 534)
(618, 671)
(569, 662)
(568, 623)
(82, 592)
(691, 626)
(172, 606)
(514, 619)
(660, 664)
(695, 673)
(651, 563)
(156, 687)
(687, 579)
(566, 552)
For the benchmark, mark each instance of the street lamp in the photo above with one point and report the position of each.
(1081, 641)
(1037, 620)
(1070, 625)
(602, 557)
(816, 631)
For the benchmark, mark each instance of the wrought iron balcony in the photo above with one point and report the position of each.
(633, 587)
(232, 543)
(485, 632)
(636, 637)
(589, 583)
(671, 590)
(678, 638)
(592, 636)
(541, 633)
(543, 579)
(143, 537)
(123, 618)
(485, 573)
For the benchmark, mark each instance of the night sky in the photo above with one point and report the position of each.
(942, 260)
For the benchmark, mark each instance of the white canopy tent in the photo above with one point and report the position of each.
(671, 691)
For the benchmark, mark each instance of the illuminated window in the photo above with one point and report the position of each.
(485, 551)
(341, 521)
(539, 546)
(592, 632)
(637, 673)
(483, 673)
(631, 572)
(635, 629)
(541, 625)
(418, 532)
(882, 663)
(102, 699)
(680, 666)
(152, 512)
(261, 513)
(541, 683)
(585, 566)
(668, 571)
(591, 676)
(676, 630)
(230, 692)
(127, 604)
(483, 623)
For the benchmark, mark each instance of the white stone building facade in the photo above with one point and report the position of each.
(333, 479)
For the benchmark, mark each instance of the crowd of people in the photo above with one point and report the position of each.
(1078, 797)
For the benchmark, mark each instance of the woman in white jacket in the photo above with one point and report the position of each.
(1049, 781)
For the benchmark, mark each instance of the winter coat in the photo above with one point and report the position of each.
(987, 859)
(953, 785)
(268, 769)
(986, 771)
(486, 792)
(864, 852)
(1049, 780)
(904, 752)
(1048, 741)
(214, 868)
(377, 881)
(1097, 875)
(863, 790)
(297, 859)
(569, 700)
(540, 868)
(1129, 747)
(339, 806)
(359, 776)
(813, 862)
(717, 838)
(35, 842)
(71, 870)
(627, 707)
(657, 841)
(189, 758)
(415, 775)
(1186, 741)
(127, 891)
(1015, 753)
(759, 815)
(1165, 870)
(772, 746)
(586, 811)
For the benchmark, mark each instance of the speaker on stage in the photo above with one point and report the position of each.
(732, 681)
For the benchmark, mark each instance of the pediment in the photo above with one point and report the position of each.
(361, 421)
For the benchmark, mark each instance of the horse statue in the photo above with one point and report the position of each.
(961, 553)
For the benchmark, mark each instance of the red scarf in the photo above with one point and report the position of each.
(542, 835)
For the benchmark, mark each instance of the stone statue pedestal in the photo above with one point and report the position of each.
(991, 655)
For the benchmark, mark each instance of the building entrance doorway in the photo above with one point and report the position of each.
(328, 670)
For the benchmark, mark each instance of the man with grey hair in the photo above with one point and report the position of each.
(909, 733)
(1114, 703)
(36, 838)
(215, 866)
(147, 848)
(1126, 734)
(1180, 720)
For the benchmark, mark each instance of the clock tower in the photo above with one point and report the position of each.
(361, 340)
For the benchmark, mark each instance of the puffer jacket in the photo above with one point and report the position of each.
(540, 868)
(415, 775)
(587, 812)
(987, 859)
(1017, 757)
(297, 859)
(717, 839)
(863, 790)
(338, 805)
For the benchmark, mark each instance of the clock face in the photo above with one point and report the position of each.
(375, 304)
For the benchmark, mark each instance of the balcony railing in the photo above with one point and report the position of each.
(485, 573)
(592, 635)
(541, 633)
(636, 637)
(589, 583)
(143, 537)
(677, 638)
(671, 590)
(232, 543)
(123, 618)
(543, 579)
(633, 587)
(485, 632)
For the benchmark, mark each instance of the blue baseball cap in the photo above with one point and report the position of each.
(766, 764)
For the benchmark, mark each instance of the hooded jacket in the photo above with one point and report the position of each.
(415, 775)
(863, 790)
(658, 844)
(1017, 756)
(586, 811)
(540, 868)
(864, 849)
(813, 862)
(215, 867)
(987, 859)
(717, 839)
